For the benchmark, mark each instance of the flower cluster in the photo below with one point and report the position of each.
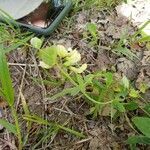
(58, 54)
(71, 58)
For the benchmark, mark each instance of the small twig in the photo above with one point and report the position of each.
(23, 65)
(20, 88)
(84, 140)
(129, 123)
(61, 110)
(9, 144)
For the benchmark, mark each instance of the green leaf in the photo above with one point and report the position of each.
(119, 106)
(88, 79)
(80, 82)
(36, 42)
(92, 28)
(125, 82)
(143, 124)
(71, 91)
(75, 91)
(143, 87)
(72, 131)
(147, 108)
(10, 127)
(2, 94)
(133, 93)
(131, 106)
(146, 30)
(92, 110)
(138, 140)
(48, 55)
(49, 82)
(36, 119)
(125, 51)
(6, 83)
(109, 78)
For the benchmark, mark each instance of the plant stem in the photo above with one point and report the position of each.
(129, 123)
(94, 101)
(84, 93)
(15, 116)
(67, 75)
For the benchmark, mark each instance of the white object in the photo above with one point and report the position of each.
(138, 11)
(19, 8)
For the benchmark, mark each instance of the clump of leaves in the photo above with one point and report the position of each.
(118, 96)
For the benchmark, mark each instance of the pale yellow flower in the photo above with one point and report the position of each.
(44, 65)
(69, 49)
(73, 58)
(62, 51)
(80, 69)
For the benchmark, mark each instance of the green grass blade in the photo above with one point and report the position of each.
(35, 119)
(49, 82)
(6, 83)
(39, 120)
(47, 134)
(10, 127)
(140, 29)
(144, 39)
(72, 131)
(1, 93)
(17, 42)
(125, 51)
